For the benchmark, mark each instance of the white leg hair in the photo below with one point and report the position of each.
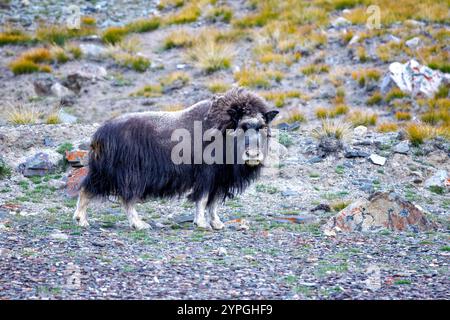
(133, 217)
(199, 218)
(80, 216)
(214, 219)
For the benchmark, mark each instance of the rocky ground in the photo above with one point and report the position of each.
(274, 245)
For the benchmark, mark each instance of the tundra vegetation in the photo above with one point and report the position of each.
(324, 74)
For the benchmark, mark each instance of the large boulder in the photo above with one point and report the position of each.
(381, 211)
(41, 163)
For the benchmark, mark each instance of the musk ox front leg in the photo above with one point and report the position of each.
(200, 219)
(214, 219)
(133, 217)
(80, 215)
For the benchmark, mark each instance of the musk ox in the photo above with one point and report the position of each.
(132, 156)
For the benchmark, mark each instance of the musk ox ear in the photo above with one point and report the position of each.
(270, 115)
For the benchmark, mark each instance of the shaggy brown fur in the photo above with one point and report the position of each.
(131, 154)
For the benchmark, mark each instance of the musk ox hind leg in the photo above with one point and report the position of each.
(133, 217)
(200, 219)
(214, 219)
(80, 215)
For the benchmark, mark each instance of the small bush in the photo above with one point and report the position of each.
(14, 37)
(173, 77)
(143, 25)
(295, 116)
(358, 118)
(135, 62)
(52, 34)
(177, 39)
(114, 35)
(5, 170)
(376, 98)
(402, 115)
(218, 86)
(279, 97)
(314, 69)
(22, 66)
(187, 14)
(211, 56)
(387, 127)
(257, 78)
(23, 114)
(150, 90)
(395, 93)
(222, 13)
(37, 55)
(418, 133)
(332, 129)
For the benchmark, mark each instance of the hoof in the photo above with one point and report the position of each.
(140, 225)
(217, 225)
(203, 225)
(81, 222)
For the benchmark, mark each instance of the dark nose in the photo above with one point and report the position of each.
(252, 154)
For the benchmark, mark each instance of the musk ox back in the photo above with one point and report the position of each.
(132, 156)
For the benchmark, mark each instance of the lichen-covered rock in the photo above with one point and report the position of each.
(74, 180)
(381, 210)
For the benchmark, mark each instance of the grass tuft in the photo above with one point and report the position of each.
(211, 56)
(339, 130)
(359, 118)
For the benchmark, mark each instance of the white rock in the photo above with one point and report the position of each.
(222, 251)
(59, 90)
(340, 22)
(376, 159)
(91, 50)
(66, 118)
(354, 40)
(394, 39)
(402, 147)
(413, 43)
(360, 131)
(59, 236)
(437, 179)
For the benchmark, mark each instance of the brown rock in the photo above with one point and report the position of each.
(74, 181)
(381, 210)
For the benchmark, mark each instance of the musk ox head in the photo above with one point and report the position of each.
(245, 116)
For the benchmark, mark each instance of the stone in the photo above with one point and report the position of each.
(66, 118)
(330, 144)
(438, 179)
(354, 40)
(93, 51)
(87, 72)
(383, 210)
(40, 164)
(59, 90)
(77, 158)
(221, 252)
(289, 193)
(376, 159)
(74, 180)
(413, 43)
(360, 131)
(401, 147)
(340, 22)
(393, 38)
(355, 153)
(184, 219)
(59, 236)
(43, 84)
